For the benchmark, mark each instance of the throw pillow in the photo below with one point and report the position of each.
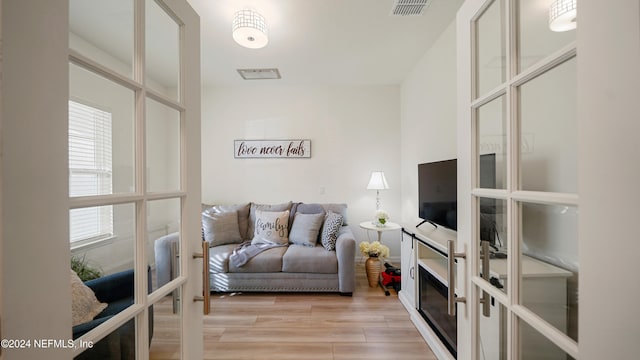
(264, 207)
(332, 224)
(271, 227)
(221, 228)
(305, 229)
(243, 215)
(84, 304)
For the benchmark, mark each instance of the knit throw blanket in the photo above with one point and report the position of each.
(247, 250)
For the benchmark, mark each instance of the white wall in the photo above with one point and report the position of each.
(353, 131)
(428, 99)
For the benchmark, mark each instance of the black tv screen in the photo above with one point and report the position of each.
(438, 198)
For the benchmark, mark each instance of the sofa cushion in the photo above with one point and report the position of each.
(84, 304)
(263, 207)
(330, 228)
(267, 261)
(305, 259)
(219, 258)
(305, 229)
(221, 228)
(242, 211)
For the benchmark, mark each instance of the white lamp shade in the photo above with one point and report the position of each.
(377, 181)
(562, 15)
(250, 29)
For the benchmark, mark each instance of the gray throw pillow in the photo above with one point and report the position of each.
(243, 215)
(263, 207)
(332, 224)
(305, 229)
(221, 228)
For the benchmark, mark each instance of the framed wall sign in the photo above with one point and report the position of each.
(267, 149)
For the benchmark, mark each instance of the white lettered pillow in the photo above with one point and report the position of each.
(271, 227)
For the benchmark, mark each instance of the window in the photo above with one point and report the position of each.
(90, 170)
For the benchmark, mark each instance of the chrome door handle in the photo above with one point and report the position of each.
(451, 278)
(485, 301)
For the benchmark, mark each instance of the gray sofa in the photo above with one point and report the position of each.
(314, 259)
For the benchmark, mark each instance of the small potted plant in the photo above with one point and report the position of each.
(380, 218)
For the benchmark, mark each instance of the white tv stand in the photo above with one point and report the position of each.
(544, 284)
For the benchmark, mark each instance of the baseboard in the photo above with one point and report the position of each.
(438, 348)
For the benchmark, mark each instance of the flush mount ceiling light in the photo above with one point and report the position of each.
(562, 15)
(250, 29)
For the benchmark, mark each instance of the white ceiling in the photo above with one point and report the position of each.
(320, 42)
(311, 42)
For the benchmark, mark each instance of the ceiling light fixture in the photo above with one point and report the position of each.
(250, 29)
(562, 15)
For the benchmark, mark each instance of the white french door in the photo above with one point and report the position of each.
(138, 62)
(517, 93)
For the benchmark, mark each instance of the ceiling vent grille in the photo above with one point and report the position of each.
(259, 74)
(409, 7)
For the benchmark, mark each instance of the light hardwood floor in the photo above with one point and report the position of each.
(368, 325)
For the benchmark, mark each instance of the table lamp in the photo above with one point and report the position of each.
(377, 182)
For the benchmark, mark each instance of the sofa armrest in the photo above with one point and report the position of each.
(162, 248)
(346, 253)
(113, 287)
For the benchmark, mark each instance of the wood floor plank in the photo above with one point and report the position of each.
(314, 326)
(277, 351)
(383, 351)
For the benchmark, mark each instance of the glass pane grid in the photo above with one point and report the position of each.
(490, 49)
(526, 79)
(549, 265)
(540, 340)
(548, 159)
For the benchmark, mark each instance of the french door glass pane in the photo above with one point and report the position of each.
(492, 144)
(90, 20)
(105, 264)
(534, 346)
(163, 230)
(101, 135)
(492, 222)
(166, 343)
(162, 51)
(550, 267)
(163, 147)
(490, 57)
(492, 332)
(549, 131)
(536, 40)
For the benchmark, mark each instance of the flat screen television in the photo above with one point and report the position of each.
(438, 197)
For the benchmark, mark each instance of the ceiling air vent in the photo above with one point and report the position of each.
(259, 74)
(409, 7)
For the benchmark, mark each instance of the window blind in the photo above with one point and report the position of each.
(90, 169)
